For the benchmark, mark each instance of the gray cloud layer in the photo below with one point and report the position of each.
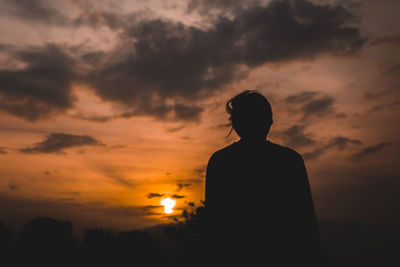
(370, 150)
(338, 142)
(161, 68)
(57, 142)
(42, 87)
(34, 11)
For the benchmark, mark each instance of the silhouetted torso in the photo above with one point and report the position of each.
(259, 205)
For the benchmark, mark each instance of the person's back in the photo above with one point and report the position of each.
(258, 199)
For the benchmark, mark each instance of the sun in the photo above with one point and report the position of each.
(168, 204)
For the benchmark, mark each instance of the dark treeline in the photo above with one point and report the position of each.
(49, 242)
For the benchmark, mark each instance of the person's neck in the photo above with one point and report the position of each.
(253, 140)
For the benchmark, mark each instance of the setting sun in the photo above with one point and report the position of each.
(168, 204)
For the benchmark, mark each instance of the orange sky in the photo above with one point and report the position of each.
(105, 180)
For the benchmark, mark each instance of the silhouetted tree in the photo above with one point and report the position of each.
(139, 248)
(190, 235)
(98, 248)
(47, 242)
(6, 243)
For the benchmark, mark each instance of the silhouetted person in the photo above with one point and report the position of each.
(258, 200)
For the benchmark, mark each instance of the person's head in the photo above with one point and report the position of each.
(250, 115)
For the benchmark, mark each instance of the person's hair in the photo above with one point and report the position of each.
(249, 109)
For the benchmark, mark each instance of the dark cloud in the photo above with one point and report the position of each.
(166, 62)
(175, 129)
(164, 111)
(200, 171)
(153, 195)
(205, 6)
(181, 186)
(132, 212)
(376, 108)
(393, 69)
(342, 143)
(161, 68)
(33, 11)
(117, 175)
(374, 95)
(95, 18)
(177, 196)
(96, 14)
(72, 193)
(13, 187)
(370, 150)
(311, 103)
(42, 87)
(302, 97)
(319, 107)
(94, 117)
(57, 142)
(316, 153)
(338, 142)
(391, 40)
(2, 151)
(394, 105)
(295, 137)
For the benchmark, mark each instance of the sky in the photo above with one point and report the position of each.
(107, 107)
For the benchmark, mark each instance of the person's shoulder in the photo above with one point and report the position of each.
(223, 152)
(285, 151)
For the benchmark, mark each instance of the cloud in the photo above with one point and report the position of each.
(164, 111)
(94, 117)
(34, 11)
(177, 196)
(131, 211)
(342, 143)
(13, 187)
(295, 137)
(2, 151)
(301, 97)
(117, 174)
(57, 142)
(319, 107)
(390, 40)
(153, 195)
(338, 142)
(316, 153)
(375, 108)
(393, 69)
(163, 68)
(205, 6)
(75, 193)
(370, 150)
(311, 104)
(42, 87)
(394, 105)
(200, 171)
(181, 186)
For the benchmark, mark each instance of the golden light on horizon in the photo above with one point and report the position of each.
(168, 204)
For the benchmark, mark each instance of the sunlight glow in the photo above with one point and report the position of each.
(168, 204)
